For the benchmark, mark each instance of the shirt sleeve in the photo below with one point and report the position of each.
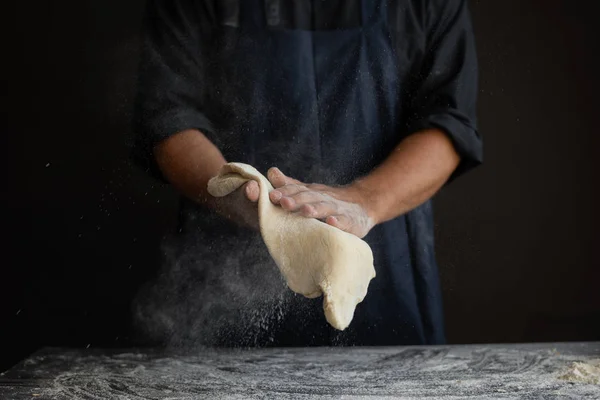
(170, 94)
(446, 94)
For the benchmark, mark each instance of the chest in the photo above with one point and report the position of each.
(398, 26)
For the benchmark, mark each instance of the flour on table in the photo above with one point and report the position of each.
(583, 372)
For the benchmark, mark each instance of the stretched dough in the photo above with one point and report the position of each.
(314, 258)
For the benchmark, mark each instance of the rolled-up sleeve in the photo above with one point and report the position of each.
(446, 95)
(169, 96)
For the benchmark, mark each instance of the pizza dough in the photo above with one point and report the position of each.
(314, 258)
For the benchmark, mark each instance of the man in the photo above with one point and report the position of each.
(360, 111)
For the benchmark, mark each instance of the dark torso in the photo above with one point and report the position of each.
(324, 95)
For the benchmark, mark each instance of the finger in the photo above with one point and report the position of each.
(252, 191)
(319, 210)
(285, 191)
(291, 190)
(296, 201)
(288, 203)
(340, 221)
(278, 178)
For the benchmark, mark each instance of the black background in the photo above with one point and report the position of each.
(516, 238)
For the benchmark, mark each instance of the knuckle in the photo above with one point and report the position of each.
(321, 209)
(308, 210)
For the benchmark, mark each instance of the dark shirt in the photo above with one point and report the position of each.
(324, 90)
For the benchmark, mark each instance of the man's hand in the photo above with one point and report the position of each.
(240, 206)
(189, 160)
(343, 207)
(415, 170)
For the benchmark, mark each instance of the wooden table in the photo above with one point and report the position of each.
(528, 371)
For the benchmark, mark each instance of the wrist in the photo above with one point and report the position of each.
(364, 196)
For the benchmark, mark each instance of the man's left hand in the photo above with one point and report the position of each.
(344, 207)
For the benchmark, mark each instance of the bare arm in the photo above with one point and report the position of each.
(415, 170)
(188, 160)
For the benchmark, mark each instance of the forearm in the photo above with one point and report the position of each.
(415, 170)
(188, 160)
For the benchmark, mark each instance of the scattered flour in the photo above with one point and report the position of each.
(583, 372)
